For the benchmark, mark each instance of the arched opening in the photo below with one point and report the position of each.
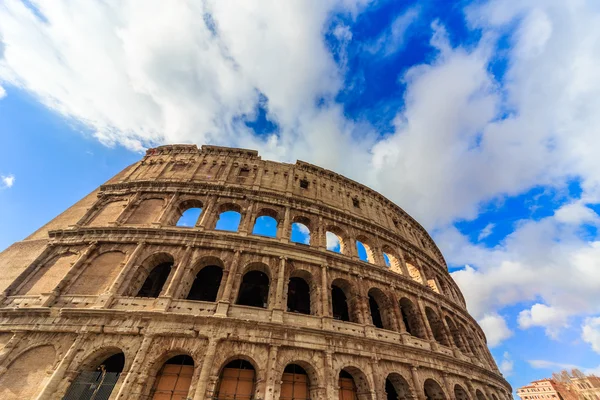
(254, 290)
(433, 390)
(300, 232)
(174, 379)
(237, 381)
(206, 284)
(189, 218)
(397, 388)
(294, 383)
(455, 335)
(335, 240)
(155, 281)
(339, 304)
(381, 312)
(97, 382)
(375, 313)
(411, 319)
(229, 221)
(460, 393)
(413, 271)
(470, 346)
(494, 397)
(391, 260)
(437, 327)
(298, 299)
(480, 395)
(347, 387)
(364, 252)
(265, 225)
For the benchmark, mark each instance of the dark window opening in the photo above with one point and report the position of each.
(206, 284)
(375, 313)
(411, 318)
(155, 281)
(390, 390)
(356, 202)
(437, 327)
(114, 363)
(244, 172)
(407, 324)
(98, 383)
(298, 296)
(339, 304)
(304, 183)
(254, 290)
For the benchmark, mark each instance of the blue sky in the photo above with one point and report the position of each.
(477, 117)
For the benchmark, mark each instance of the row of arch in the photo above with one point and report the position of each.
(269, 222)
(238, 378)
(155, 275)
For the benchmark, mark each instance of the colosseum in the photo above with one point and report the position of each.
(159, 285)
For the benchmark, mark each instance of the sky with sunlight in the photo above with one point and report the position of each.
(480, 118)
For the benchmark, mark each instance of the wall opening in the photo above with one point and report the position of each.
(433, 391)
(339, 304)
(437, 327)
(189, 218)
(455, 335)
(265, 225)
(411, 318)
(413, 271)
(237, 381)
(480, 395)
(254, 290)
(300, 233)
(347, 387)
(363, 253)
(392, 261)
(390, 390)
(334, 242)
(155, 281)
(206, 284)
(294, 383)
(97, 383)
(397, 388)
(229, 221)
(174, 379)
(460, 393)
(298, 299)
(375, 312)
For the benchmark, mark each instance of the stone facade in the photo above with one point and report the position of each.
(104, 291)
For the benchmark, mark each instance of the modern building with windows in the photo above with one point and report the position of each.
(213, 274)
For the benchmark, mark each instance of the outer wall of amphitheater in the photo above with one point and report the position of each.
(113, 299)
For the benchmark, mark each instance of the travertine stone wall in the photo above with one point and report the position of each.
(68, 291)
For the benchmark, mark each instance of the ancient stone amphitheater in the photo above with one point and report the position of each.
(118, 298)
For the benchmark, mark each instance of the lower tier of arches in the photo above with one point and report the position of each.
(106, 357)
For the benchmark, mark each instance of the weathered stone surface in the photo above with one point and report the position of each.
(88, 286)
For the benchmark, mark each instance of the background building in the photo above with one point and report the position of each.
(563, 385)
(122, 296)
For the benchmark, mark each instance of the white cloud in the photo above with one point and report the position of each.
(7, 181)
(487, 231)
(495, 328)
(591, 333)
(333, 241)
(544, 364)
(507, 364)
(2, 92)
(552, 318)
(394, 37)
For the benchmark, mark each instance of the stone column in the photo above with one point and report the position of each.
(59, 373)
(325, 292)
(270, 375)
(247, 220)
(73, 273)
(428, 331)
(223, 303)
(448, 386)
(23, 277)
(167, 211)
(283, 233)
(471, 390)
(403, 266)
(207, 363)
(321, 239)
(206, 220)
(420, 392)
(136, 366)
(277, 313)
(258, 179)
(447, 332)
(129, 209)
(376, 376)
(330, 378)
(180, 269)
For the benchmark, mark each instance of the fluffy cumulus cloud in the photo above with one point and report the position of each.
(7, 181)
(591, 333)
(464, 135)
(506, 365)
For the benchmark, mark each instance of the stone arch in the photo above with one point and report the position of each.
(397, 387)
(437, 326)
(108, 212)
(470, 346)
(98, 274)
(351, 312)
(368, 247)
(248, 380)
(49, 275)
(382, 313)
(222, 213)
(311, 390)
(494, 397)
(393, 259)
(433, 390)
(203, 283)
(340, 236)
(151, 275)
(183, 208)
(146, 211)
(411, 318)
(304, 223)
(254, 288)
(268, 216)
(361, 388)
(460, 393)
(413, 269)
(455, 334)
(173, 379)
(301, 294)
(24, 374)
(480, 396)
